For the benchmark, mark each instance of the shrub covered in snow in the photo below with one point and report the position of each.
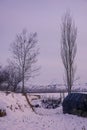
(51, 103)
(75, 103)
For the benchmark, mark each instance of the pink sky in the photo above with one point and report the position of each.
(44, 17)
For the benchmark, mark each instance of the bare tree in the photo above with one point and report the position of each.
(25, 54)
(3, 75)
(14, 76)
(68, 49)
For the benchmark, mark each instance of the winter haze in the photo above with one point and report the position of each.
(44, 17)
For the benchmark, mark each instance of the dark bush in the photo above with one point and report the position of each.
(2, 113)
(75, 103)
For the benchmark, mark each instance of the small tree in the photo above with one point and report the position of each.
(68, 49)
(14, 76)
(3, 75)
(25, 54)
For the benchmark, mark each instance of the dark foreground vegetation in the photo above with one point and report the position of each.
(75, 103)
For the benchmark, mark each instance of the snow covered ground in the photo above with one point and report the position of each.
(21, 117)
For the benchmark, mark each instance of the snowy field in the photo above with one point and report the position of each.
(21, 117)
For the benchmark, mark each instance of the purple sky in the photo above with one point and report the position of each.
(44, 17)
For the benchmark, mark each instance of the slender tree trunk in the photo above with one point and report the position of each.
(23, 86)
(23, 83)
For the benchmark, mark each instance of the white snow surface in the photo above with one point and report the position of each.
(21, 117)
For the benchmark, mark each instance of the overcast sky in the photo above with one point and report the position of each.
(44, 17)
